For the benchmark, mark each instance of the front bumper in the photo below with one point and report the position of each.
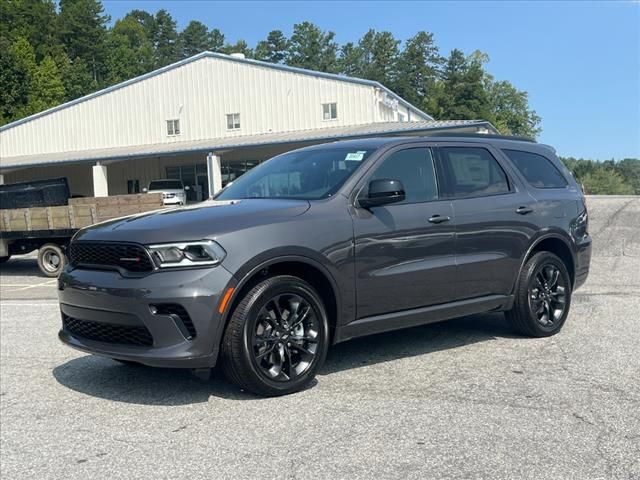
(173, 201)
(107, 302)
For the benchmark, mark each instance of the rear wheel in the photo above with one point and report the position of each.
(543, 297)
(277, 338)
(51, 259)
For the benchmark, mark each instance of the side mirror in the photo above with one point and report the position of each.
(187, 187)
(383, 192)
(145, 190)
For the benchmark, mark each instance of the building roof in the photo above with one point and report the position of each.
(275, 66)
(426, 127)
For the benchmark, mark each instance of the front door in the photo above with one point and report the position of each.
(404, 251)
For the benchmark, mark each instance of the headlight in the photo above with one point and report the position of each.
(187, 254)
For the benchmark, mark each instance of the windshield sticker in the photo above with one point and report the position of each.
(355, 156)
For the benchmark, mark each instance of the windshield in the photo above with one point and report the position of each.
(166, 185)
(307, 174)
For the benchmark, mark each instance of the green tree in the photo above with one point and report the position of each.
(629, 170)
(215, 40)
(47, 89)
(34, 20)
(273, 49)
(146, 21)
(193, 39)
(418, 69)
(510, 111)
(82, 31)
(42, 82)
(463, 94)
(375, 57)
(311, 48)
(239, 47)
(23, 55)
(605, 181)
(350, 60)
(77, 76)
(14, 82)
(129, 51)
(165, 39)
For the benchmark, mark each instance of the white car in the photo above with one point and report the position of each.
(173, 191)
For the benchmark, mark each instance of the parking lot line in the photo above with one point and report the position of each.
(20, 287)
(28, 304)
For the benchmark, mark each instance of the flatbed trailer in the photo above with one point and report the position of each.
(49, 229)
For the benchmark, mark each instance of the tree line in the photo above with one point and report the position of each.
(49, 55)
(606, 178)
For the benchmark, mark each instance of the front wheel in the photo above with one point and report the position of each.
(543, 296)
(51, 259)
(277, 338)
(5, 259)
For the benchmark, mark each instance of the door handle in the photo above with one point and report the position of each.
(524, 210)
(439, 219)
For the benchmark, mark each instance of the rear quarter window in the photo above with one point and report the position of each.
(536, 169)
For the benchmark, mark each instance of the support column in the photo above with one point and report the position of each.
(1, 179)
(214, 174)
(100, 183)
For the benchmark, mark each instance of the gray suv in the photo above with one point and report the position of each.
(327, 243)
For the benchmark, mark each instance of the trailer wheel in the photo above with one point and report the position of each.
(4, 259)
(51, 259)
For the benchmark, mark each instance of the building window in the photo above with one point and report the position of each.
(233, 121)
(400, 117)
(173, 127)
(133, 186)
(329, 111)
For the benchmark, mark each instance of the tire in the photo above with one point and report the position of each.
(51, 259)
(543, 297)
(266, 352)
(5, 259)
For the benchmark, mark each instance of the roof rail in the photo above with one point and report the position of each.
(481, 135)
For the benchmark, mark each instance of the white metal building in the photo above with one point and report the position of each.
(234, 111)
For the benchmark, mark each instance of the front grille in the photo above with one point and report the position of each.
(107, 332)
(180, 312)
(131, 257)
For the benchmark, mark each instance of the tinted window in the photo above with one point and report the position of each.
(305, 174)
(538, 170)
(165, 185)
(414, 168)
(471, 172)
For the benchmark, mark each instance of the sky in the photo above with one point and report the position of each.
(579, 61)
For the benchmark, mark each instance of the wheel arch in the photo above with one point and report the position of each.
(557, 244)
(308, 269)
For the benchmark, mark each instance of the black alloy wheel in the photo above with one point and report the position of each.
(285, 337)
(277, 338)
(547, 294)
(542, 297)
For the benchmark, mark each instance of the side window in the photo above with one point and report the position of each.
(414, 168)
(538, 170)
(470, 172)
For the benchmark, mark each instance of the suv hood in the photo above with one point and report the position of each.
(204, 220)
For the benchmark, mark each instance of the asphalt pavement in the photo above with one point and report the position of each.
(461, 399)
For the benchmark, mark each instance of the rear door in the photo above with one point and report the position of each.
(493, 214)
(404, 251)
